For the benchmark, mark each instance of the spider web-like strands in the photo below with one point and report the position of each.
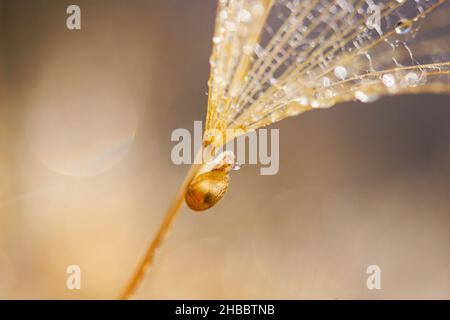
(278, 58)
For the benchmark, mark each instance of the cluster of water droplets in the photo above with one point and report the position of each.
(277, 58)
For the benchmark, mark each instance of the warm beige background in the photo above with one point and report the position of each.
(85, 171)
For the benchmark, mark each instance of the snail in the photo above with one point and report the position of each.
(207, 189)
(211, 183)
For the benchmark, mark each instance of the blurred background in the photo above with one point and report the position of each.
(86, 175)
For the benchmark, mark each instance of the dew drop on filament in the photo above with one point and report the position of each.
(388, 80)
(340, 72)
(403, 26)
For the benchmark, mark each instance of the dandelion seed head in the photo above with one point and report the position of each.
(273, 59)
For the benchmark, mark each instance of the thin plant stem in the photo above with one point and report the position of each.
(168, 220)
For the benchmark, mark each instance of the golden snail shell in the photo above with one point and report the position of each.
(207, 189)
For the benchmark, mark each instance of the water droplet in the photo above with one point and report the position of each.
(322, 104)
(244, 15)
(326, 81)
(315, 104)
(227, 157)
(258, 9)
(302, 100)
(236, 167)
(340, 72)
(364, 97)
(403, 26)
(361, 96)
(411, 79)
(388, 80)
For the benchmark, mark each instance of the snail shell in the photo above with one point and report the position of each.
(207, 189)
